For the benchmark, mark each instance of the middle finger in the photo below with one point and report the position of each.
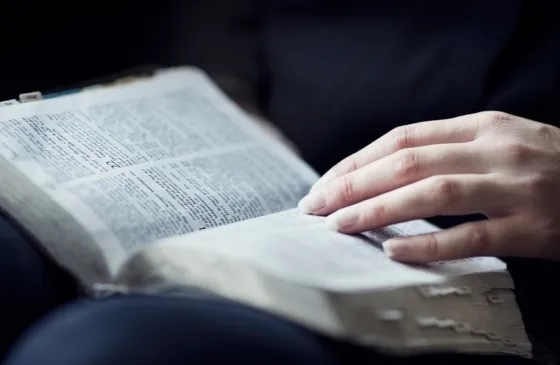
(392, 172)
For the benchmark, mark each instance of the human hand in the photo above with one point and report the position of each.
(503, 166)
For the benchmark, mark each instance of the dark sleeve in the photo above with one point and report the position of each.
(219, 36)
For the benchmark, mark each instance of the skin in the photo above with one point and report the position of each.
(500, 165)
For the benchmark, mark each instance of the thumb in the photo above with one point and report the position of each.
(483, 238)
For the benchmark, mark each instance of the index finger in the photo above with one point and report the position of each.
(455, 130)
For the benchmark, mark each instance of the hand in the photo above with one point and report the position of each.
(503, 166)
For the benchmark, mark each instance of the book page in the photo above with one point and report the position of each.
(140, 162)
(341, 285)
(300, 248)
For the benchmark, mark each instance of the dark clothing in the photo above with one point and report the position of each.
(340, 73)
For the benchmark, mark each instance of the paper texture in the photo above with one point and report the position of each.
(8, 102)
(342, 285)
(300, 248)
(143, 161)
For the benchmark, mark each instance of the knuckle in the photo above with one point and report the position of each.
(346, 189)
(498, 119)
(347, 165)
(445, 192)
(516, 153)
(544, 132)
(379, 213)
(407, 166)
(402, 137)
(476, 240)
(539, 185)
(431, 247)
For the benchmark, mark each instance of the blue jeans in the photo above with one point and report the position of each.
(44, 321)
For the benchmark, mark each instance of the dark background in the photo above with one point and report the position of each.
(51, 44)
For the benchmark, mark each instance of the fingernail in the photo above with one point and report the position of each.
(329, 175)
(395, 249)
(342, 220)
(313, 202)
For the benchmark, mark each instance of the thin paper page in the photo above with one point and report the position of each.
(100, 131)
(292, 265)
(148, 160)
(152, 201)
(300, 248)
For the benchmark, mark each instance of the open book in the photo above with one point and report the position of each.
(164, 185)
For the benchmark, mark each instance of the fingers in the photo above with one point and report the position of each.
(456, 130)
(483, 238)
(392, 172)
(440, 195)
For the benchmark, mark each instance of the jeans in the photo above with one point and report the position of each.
(45, 321)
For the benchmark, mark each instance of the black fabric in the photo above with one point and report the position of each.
(341, 73)
(31, 285)
(50, 44)
(56, 44)
(153, 330)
